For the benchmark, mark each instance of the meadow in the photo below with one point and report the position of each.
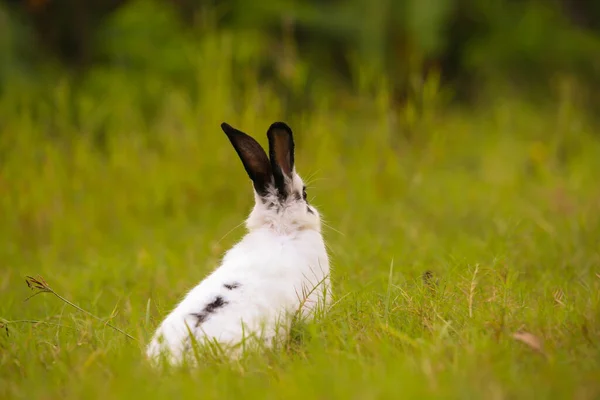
(464, 241)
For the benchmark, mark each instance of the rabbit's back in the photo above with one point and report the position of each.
(261, 282)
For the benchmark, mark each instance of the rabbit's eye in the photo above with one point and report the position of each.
(304, 193)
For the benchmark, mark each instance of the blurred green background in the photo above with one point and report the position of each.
(458, 137)
(476, 46)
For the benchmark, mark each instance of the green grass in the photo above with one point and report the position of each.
(501, 203)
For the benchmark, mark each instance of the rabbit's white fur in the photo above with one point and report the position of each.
(279, 268)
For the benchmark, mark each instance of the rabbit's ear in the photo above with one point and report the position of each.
(253, 157)
(281, 152)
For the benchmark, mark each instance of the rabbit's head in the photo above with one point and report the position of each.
(280, 194)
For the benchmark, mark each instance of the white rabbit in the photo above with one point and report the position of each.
(279, 268)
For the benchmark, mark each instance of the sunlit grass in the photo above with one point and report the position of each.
(123, 200)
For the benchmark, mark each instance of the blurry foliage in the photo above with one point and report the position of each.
(344, 46)
(14, 49)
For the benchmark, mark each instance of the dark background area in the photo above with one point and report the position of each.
(474, 44)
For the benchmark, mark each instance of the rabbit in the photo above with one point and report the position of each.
(279, 270)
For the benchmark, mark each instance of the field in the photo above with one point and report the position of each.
(464, 242)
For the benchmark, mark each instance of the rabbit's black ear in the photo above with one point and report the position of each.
(253, 157)
(281, 152)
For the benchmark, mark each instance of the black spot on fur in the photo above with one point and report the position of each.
(210, 308)
(200, 318)
(270, 204)
(217, 303)
(282, 195)
(231, 286)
